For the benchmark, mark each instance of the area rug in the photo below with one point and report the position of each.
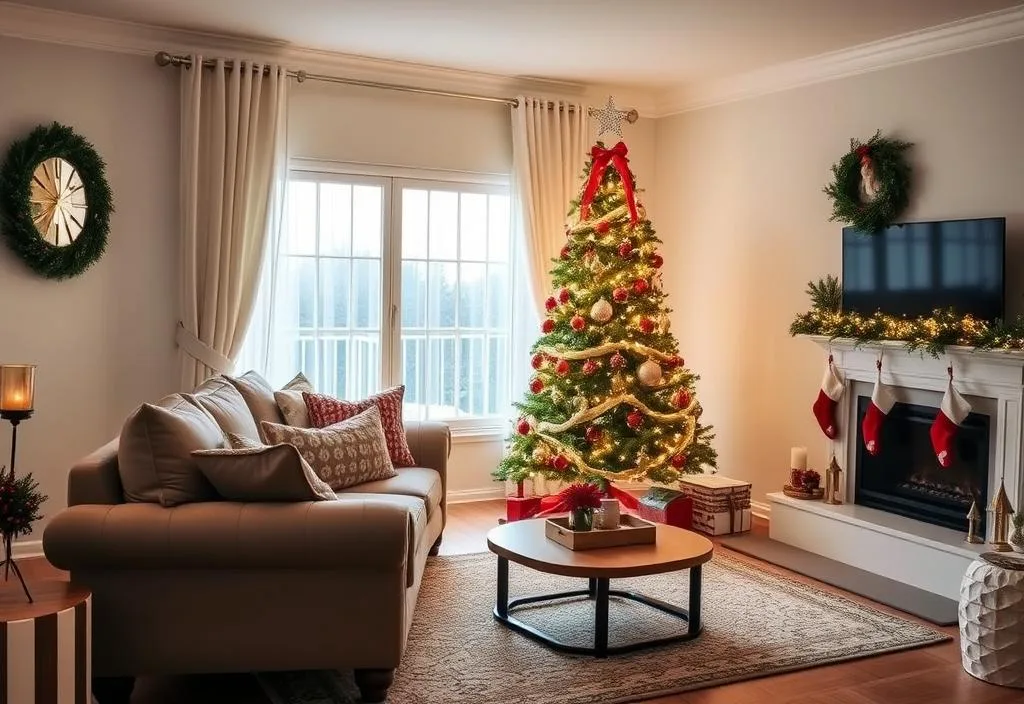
(755, 624)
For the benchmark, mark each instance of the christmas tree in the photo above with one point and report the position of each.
(610, 399)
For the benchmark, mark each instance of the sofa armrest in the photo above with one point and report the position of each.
(430, 443)
(368, 534)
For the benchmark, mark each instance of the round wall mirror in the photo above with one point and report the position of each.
(58, 202)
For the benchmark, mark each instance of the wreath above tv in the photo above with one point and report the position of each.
(55, 203)
(870, 186)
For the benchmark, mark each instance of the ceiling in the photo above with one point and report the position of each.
(650, 44)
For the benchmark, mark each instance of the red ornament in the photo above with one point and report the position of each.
(578, 323)
(563, 295)
(674, 361)
(562, 368)
(589, 367)
(602, 227)
(681, 398)
(657, 261)
(617, 361)
(678, 461)
(593, 434)
(550, 304)
(536, 385)
(620, 295)
(548, 326)
(537, 361)
(626, 249)
(646, 325)
(635, 419)
(565, 252)
(523, 426)
(640, 286)
(560, 463)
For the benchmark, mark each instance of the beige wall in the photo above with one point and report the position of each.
(104, 340)
(746, 225)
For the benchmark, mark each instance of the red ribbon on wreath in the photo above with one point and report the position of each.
(616, 156)
(864, 153)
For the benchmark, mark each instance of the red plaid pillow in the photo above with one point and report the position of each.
(327, 410)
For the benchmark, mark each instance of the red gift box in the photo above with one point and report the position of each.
(667, 506)
(519, 507)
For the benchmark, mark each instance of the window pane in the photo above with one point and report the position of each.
(366, 293)
(441, 304)
(414, 354)
(444, 225)
(300, 277)
(473, 227)
(472, 295)
(471, 376)
(414, 224)
(414, 294)
(300, 237)
(497, 375)
(365, 374)
(336, 219)
(367, 206)
(498, 296)
(497, 228)
(334, 290)
(441, 379)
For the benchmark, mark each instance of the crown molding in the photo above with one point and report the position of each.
(89, 32)
(954, 37)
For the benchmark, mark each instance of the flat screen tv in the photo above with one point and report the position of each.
(914, 268)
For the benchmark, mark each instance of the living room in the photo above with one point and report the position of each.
(376, 126)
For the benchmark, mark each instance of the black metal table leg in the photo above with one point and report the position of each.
(601, 619)
(501, 605)
(693, 615)
(592, 588)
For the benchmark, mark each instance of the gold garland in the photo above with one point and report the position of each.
(604, 349)
(584, 225)
(610, 403)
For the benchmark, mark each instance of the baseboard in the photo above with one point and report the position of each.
(28, 548)
(761, 509)
(464, 496)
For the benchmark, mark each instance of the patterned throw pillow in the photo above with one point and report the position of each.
(327, 410)
(347, 453)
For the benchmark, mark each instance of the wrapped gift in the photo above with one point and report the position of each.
(519, 507)
(666, 506)
(720, 505)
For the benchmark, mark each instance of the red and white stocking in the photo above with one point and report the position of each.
(952, 412)
(882, 401)
(828, 400)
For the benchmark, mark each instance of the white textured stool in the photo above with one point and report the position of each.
(992, 619)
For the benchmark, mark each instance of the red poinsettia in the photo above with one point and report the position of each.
(580, 495)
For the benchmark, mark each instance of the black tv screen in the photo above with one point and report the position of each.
(914, 268)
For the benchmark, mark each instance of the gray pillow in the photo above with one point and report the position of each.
(257, 472)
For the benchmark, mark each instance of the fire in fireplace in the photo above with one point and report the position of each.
(905, 477)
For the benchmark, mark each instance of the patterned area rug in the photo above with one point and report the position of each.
(755, 624)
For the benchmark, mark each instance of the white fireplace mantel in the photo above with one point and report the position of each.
(917, 553)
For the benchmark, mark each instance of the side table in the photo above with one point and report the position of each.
(992, 619)
(45, 645)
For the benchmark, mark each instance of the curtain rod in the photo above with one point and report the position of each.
(164, 58)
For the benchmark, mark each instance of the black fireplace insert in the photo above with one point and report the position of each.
(905, 477)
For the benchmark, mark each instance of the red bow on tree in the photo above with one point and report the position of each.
(616, 156)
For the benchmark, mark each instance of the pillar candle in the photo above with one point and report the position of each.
(798, 458)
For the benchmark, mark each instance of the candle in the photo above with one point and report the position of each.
(798, 458)
(17, 387)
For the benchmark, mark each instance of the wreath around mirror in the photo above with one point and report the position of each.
(55, 203)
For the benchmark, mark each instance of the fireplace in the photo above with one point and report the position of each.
(905, 477)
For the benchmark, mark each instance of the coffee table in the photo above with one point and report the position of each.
(524, 542)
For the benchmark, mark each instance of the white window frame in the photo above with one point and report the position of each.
(393, 179)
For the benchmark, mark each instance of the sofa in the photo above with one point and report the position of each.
(222, 586)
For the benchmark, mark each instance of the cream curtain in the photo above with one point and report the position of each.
(549, 146)
(233, 153)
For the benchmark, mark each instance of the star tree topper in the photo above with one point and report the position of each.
(609, 119)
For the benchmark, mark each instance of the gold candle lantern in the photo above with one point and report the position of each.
(1001, 513)
(833, 479)
(973, 516)
(17, 390)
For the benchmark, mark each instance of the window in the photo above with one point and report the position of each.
(385, 281)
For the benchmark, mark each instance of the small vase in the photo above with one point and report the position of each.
(581, 519)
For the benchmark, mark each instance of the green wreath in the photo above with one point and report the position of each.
(55, 141)
(875, 202)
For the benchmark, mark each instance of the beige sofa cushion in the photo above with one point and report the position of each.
(154, 454)
(261, 473)
(259, 397)
(419, 482)
(227, 406)
(344, 454)
(291, 404)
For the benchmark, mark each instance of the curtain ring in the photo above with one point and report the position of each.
(949, 370)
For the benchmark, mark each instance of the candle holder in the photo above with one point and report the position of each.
(21, 498)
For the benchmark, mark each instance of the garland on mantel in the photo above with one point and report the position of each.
(931, 334)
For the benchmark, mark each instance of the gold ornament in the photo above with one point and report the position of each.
(649, 373)
(833, 477)
(973, 517)
(601, 311)
(541, 455)
(1001, 512)
(664, 324)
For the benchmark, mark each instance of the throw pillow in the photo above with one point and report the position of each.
(347, 453)
(326, 410)
(154, 456)
(227, 406)
(262, 473)
(290, 402)
(259, 397)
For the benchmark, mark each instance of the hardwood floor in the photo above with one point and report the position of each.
(930, 675)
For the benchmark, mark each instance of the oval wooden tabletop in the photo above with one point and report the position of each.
(524, 542)
(48, 597)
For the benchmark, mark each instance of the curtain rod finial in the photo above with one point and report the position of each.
(632, 116)
(163, 58)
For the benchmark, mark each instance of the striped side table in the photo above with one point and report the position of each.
(44, 645)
